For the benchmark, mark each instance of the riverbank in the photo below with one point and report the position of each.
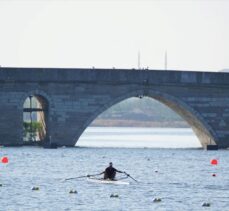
(134, 123)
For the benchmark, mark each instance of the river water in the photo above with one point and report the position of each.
(139, 137)
(181, 178)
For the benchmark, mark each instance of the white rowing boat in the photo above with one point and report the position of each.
(107, 181)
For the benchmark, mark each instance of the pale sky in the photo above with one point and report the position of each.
(107, 34)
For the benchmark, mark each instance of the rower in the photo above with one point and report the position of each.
(110, 172)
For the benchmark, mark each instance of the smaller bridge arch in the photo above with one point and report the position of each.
(36, 92)
(35, 118)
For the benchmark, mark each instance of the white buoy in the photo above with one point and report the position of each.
(35, 188)
(114, 195)
(206, 204)
(157, 200)
(73, 191)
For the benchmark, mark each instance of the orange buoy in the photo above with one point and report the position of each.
(5, 160)
(214, 162)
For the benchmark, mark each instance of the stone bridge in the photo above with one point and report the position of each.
(73, 98)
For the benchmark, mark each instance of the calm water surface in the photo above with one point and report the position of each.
(139, 137)
(183, 181)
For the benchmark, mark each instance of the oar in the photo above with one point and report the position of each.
(130, 176)
(81, 177)
(76, 177)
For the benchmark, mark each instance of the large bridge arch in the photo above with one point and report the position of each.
(200, 127)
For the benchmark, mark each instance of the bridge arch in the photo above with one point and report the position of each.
(35, 107)
(36, 92)
(201, 128)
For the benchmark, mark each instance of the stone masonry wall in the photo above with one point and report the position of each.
(77, 96)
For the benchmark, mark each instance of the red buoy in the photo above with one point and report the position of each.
(214, 175)
(214, 162)
(5, 160)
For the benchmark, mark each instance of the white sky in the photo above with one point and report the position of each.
(109, 33)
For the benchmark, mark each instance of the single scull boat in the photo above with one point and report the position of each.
(107, 181)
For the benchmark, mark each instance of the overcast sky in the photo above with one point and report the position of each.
(109, 34)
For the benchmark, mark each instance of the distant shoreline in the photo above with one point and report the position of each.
(135, 123)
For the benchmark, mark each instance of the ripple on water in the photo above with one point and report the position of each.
(183, 181)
